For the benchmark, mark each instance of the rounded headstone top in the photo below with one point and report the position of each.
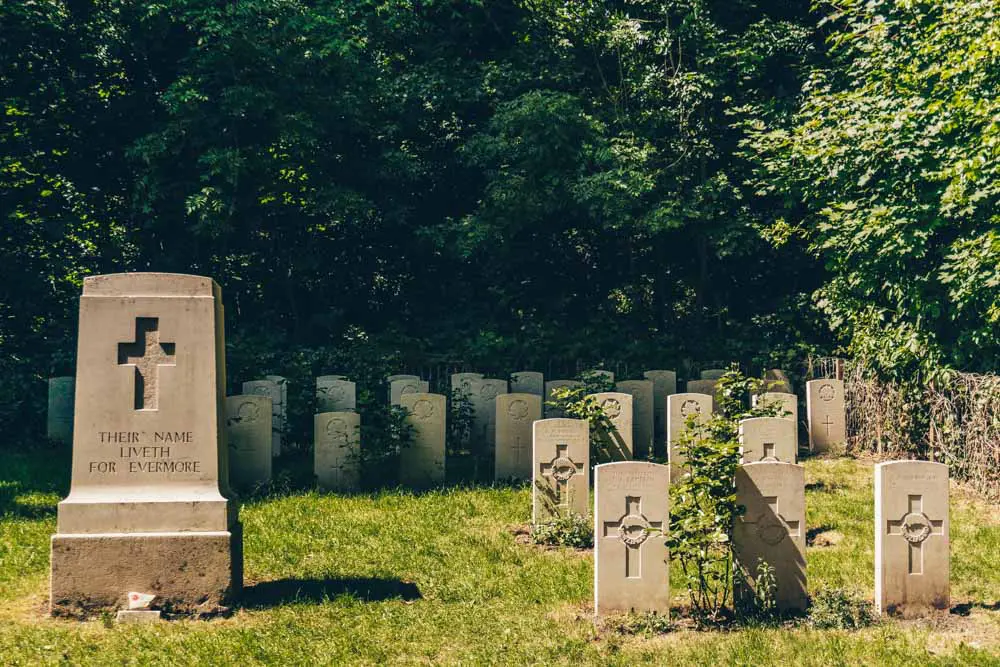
(149, 284)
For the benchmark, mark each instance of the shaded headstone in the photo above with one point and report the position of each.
(706, 387)
(617, 408)
(401, 376)
(827, 415)
(399, 388)
(282, 411)
(664, 384)
(59, 423)
(515, 415)
(248, 435)
(777, 382)
(912, 547)
(788, 404)
(336, 396)
(422, 463)
(337, 450)
(767, 439)
(560, 469)
(641, 392)
(463, 381)
(713, 373)
(148, 508)
(679, 407)
(272, 390)
(631, 519)
(484, 412)
(527, 382)
(772, 530)
(552, 412)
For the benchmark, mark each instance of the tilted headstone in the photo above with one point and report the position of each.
(664, 384)
(713, 373)
(248, 435)
(59, 424)
(772, 530)
(827, 414)
(777, 382)
(399, 388)
(767, 439)
(631, 518)
(788, 404)
(336, 396)
(912, 548)
(337, 450)
(641, 392)
(516, 413)
(147, 508)
(484, 412)
(552, 412)
(422, 463)
(272, 390)
(560, 469)
(679, 407)
(527, 382)
(617, 408)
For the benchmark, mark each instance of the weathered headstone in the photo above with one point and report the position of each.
(827, 415)
(713, 373)
(776, 381)
(59, 424)
(527, 382)
(767, 439)
(701, 387)
(788, 404)
(912, 547)
(641, 392)
(664, 384)
(423, 462)
(516, 413)
(552, 412)
(618, 409)
(463, 381)
(560, 469)
(147, 508)
(336, 396)
(772, 530)
(248, 435)
(336, 450)
(272, 390)
(399, 388)
(282, 411)
(402, 376)
(679, 407)
(631, 517)
(484, 412)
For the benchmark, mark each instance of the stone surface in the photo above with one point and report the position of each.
(560, 469)
(423, 462)
(335, 395)
(147, 508)
(337, 450)
(59, 424)
(713, 373)
(248, 434)
(484, 413)
(641, 392)
(631, 518)
(679, 406)
(402, 376)
(282, 409)
(516, 413)
(787, 403)
(664, 384)
(462, 381)
(767, 439)
(773, 529)
(552, 412)
(776, 381)
(399, 388)
(912, 546)
(129, 616)
(272, 390)
(527, 382)
(618, 408)
(827, 414)
(706, 387)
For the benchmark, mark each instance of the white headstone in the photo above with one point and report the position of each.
(60, 415)
(664, 384)
(399, 388)
(641, 392)
(552, 412)
(788, 404)
(272, 390)
(248, 433)
(679, 407)
(767, 439)
(484, 412)
(527, 382)
(337, 450)
(618, 409)
(827, 415)
(423, 462)
(516, 413)
(561, 469)
(336, 396)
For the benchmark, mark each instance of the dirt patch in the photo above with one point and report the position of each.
(522, 536)
(827, 538)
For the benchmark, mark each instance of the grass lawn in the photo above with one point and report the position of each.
(440, 577)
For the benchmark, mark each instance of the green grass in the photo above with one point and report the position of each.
(438, 577)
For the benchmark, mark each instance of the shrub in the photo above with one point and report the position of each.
(566, 531)
(837, 608)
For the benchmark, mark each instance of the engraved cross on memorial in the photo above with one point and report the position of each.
(632, 529)
(560, 469)
(915, 527)
(772, 529)
(146, 353)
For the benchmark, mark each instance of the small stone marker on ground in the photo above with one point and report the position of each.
(516, 413)
(618, 409)
(527, 382)
(679, 407)
(147, 508)
(767, 439)
(664, 384)
(788, 404)
(631, 518)
(272, 390)
(777, 382)
(335, 396)
(827, 415)
(713, 373)
(399, 388)
(59, 425)
(912, 547)
(552, 412)
(560, 469)
(337, 450)
(641, 392)
(423, 462)
(248, 433)
(772, 530)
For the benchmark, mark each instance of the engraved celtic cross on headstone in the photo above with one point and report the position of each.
(915, 527)
(773, 528)
(560, 469)
(632, 529)
(146, 353)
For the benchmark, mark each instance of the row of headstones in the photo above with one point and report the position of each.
(632, 510)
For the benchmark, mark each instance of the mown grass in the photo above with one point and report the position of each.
(437, 577)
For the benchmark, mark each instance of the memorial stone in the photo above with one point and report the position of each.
(423, 462)
(551, 411)
(788, 404)
(336, 396)
(713, 373)
(560, 469)
(147, 508)
(641, 392)
(282, 411)
(527, 382)
(337, 450)
(618, 409)
(484, 412)
(827, 415)
(679, 407)
(516, 413)
(403, 376)
(272, 390)
(59, 426)
(664, 384)
(248, 435)
(399, 388)
(767, 439)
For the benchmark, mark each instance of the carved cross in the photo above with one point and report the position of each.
(559, 470)
(518, 448)
(771, 526)
(146, 353)
(915, 527)
(631, 529)
(828, 422)
(769, 452)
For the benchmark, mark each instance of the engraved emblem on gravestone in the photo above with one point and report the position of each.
(262, 391)
(827, 392)
(915, 527)
(518, 410)
(561, 468)
(773, 528)
(612, 408)
(488, 392)
(690, 407)
(632, 528)
(423, 409)
(336, 428)
(247, 412)
(146, 353)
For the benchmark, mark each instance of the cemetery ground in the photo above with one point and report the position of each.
(444, 577)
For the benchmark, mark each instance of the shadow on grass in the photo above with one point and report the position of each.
(267, 594)
(966, 608)
(811, 533)
(30, 470)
